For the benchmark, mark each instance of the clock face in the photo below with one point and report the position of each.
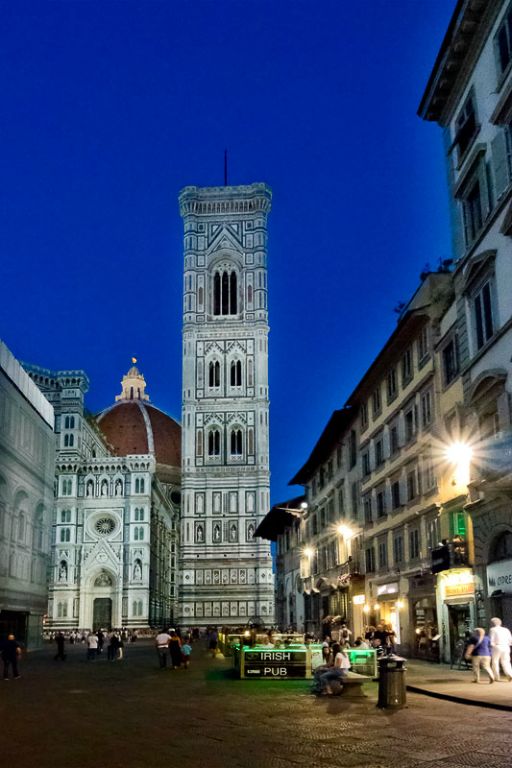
(104, 525)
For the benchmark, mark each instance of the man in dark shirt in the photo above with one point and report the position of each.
(11, 650)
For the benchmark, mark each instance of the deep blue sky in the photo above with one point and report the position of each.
(110, 108)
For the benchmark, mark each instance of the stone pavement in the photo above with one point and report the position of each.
(440, 681)
(129, 714)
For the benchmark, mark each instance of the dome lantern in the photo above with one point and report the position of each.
(133, 385)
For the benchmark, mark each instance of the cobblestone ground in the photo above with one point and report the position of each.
(129, 714)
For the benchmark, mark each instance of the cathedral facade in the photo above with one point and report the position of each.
(226, 574)
(115, 532)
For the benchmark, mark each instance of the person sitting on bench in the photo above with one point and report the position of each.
(338, 671)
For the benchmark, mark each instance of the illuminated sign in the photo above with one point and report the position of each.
(388, 589)
(459, 590)
(499, 577)
(274, 664)
(358, 599)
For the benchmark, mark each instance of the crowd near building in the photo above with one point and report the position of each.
(406, 516)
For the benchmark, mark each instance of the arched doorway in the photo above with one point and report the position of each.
(102, 601)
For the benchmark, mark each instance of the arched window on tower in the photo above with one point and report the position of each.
(236, 373)
(214, 443)
(236, 442)
(225, 293)
(214, 374)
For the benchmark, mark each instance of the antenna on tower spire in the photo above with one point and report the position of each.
(225, 167)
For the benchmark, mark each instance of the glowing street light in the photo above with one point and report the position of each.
(459, 454)
(345, 531)
(308, 552)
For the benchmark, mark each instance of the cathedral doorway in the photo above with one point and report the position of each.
(102, 613)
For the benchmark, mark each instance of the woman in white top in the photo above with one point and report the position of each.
(339, 669)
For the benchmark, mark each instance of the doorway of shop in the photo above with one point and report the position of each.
(459, 624)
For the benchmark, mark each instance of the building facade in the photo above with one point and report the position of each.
(27, 474)
(226, 574)
(114, 547)
(469, 94)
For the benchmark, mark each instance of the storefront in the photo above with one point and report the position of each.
(499, 590)
(424, 640)
(388, 606)
(456, 609)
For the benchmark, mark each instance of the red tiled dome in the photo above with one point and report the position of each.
(134, 426)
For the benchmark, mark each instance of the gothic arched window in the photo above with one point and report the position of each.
(214, 443)
(236, 373)
(236, 442)
(225, 293)
(214, 374)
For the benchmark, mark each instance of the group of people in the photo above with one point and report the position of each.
(328, 677)
(490, 652)
(381, 638)
(170, 646)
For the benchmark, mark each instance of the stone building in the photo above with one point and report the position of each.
(27, 473)
(114, 553)
(469, 94)
(226, 574)
(330, 557)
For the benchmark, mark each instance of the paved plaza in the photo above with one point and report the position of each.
(129, 714)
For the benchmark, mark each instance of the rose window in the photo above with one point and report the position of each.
(104, 525)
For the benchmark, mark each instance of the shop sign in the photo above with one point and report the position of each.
(387, 589)
(459, 590)
(499, 577)
(278, 664)
(359, 599)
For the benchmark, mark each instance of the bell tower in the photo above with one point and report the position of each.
(226, 573)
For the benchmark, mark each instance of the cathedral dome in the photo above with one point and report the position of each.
(134, 426)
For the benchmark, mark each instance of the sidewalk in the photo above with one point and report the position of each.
(441, 682)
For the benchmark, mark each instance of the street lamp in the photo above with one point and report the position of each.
(345, 531)
(459, 454)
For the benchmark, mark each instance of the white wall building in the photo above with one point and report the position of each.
(27, 461)
(226, 573)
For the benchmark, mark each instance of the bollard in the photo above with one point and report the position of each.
(392, 685)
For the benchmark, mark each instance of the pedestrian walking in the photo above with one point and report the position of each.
(11, 652)
(113, 645)
(501, 640)
(60, 640)
(213, 639)
(186, 650)
(162, 647)
(92, 646)
(175, 649)
(479, 652)
(120, 646)
(101, 641)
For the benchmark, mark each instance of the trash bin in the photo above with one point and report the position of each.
(392, 693)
